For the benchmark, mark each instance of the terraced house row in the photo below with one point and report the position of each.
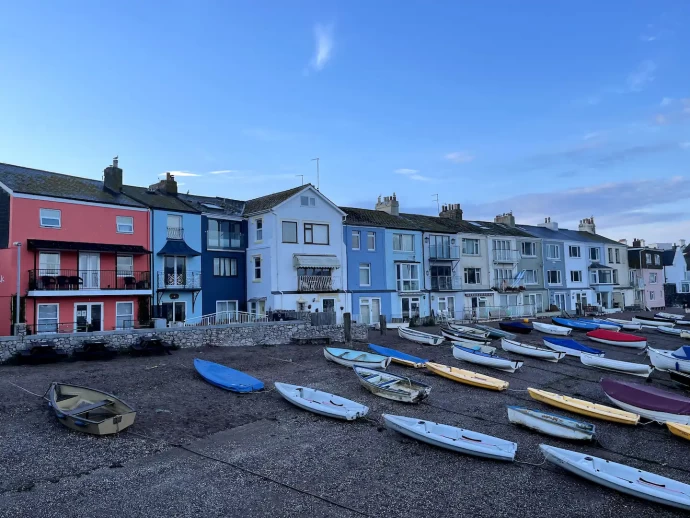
(92, 255)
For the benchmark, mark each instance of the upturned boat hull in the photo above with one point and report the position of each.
(634, 369)
(322, 403)
(551, 424)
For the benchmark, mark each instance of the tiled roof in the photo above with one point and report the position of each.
(269, 201)
(213, 205)
(564, 234)
(668, 256)
(375, 218)
(45, 183)
(156, 199)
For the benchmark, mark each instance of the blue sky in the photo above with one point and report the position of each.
(542, 108)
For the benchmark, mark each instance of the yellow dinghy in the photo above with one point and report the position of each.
(681, 430)
(467, 377)
(580, 406)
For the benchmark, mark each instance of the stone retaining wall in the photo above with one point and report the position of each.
(230, 335)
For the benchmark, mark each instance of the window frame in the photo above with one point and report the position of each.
(310, 228)
(577, 248)
(58, 218)
(282, 231)
(118, 315)
(365, 267)
(174, 217)
(657, 260)
(572, 277)
(468, 240)
(401, 237)
(311, 200)
(652, 295)
(49, 271)
(217, 243)
(38, 317)
(648, 257)
(614, 276)
(401, 280)
(653, 275)
(555, 247)
(618, 255)
(610, 255)
(259, 231)
(536, 277)
(256, 268)
(371, 235)
(356, 234)
(477, 275)
(559, 282)
(533, 245)
(123, 272)
(219, 272)
(598, 253)
(131, 224)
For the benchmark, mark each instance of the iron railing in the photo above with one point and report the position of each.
(445, 283)
(317, 283)
(505, 256)
(225, 317)
(175, 233)
(49, 279)
(444, 252)
(186, 280)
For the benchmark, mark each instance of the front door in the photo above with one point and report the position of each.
(328, 305)
(559, 300)
(90, 270)
(88, 317)
(226, 311)
(174, 270)
(410, 308)
(175, 311)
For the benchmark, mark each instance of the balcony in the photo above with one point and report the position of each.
(317, 283)
(66, 282)
(179, 281)
(445, 283)
(175, 233)
(505, 256)
(508, 285)
(218, 240)
(444, 253)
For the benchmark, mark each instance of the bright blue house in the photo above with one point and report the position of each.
(223, 255)
(176, 246)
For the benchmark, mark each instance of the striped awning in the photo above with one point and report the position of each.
(316, 261)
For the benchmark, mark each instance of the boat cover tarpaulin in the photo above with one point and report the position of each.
(683, 353)
(648, 398)
(615, 336)
(572, 344)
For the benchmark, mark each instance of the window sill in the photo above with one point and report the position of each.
(49, 226)
(122, 232)
(256, 280)
(258, 241)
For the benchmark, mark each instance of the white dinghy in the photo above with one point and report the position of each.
(620, 477)
(551, 424)
(628, 325)
(669, 316)
(669, 330)
(392, 386)
(350, 358)
(599, 362)
(470, 330)
(321, 403)
(532, 351)
(452, 438)
(421, 338)
(669, 360)
(488, 360)
(551, 329)
(651, 322)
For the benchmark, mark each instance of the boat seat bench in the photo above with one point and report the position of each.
(88, 408)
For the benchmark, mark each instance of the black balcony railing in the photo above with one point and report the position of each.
(444, 252)
(445, 282)
(47, 279)
(175, 233)
(186, 280)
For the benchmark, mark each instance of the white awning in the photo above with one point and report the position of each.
(316, 261)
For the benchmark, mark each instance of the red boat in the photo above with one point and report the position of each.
(616, 338)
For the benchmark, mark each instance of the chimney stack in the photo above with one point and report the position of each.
(637, 243)
(112, 177)
(506, 218)
(623, 242)
(642, 243)
(451, 211)
(389, 204)
(682, 243)
(587, 225)
(167, 186)
(551, 225)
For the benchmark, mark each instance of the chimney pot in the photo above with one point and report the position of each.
(112, 177)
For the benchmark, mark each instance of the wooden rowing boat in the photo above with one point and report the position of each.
(391, 386)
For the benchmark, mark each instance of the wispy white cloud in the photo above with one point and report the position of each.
(225, 171)
(180, 173)
(459, 157)
(666, 101)
(685, 145)
(642, 76)
(324, 46)
(412, 174)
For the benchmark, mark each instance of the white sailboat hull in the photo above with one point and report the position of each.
(626, 324)
(551, 329)
(551, 424)
(599, 362)
(665, 361)
(531, 350)
(375, 361)
(620, 477)
(632, 345)
(419, 337)
(652, 323)
(502, 364)
(452, 438)
(321, 403)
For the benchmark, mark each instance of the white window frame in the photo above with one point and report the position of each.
(657, 259)
(124, 272)
(614, 276)
(477, 275)
(533, 246)
(556, 250)
(651, 295)
(602, 273)
(227, 303)
(309, 228)
(399, 242)
(365, 267)
(536, 278)
(558, 276)
(412, 280)
(118, 314)
(219, 272)
(572, 276)
(598, 254)
(685, 287)
(356, 234)
(121, 225)
(371, 241)
(175, 219)
(576, 248)
(256, 268)
(259, 235)
(467, 241)
(46, 269)
(50, 214)
(610, 252)
(38, 318)
(307, 201)
(282, 232)
(618, 255)
(648, 258)
(653, 278)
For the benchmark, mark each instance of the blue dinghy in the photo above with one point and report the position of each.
(575, 324)
(570, 347)
(399, 356)
(227, 378)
